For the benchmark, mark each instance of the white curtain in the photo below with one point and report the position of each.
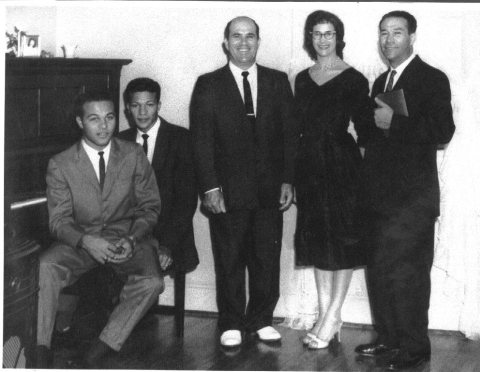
(458, 245)
(457, 250)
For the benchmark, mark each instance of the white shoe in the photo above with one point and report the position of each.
(269, 334)
(231, 338)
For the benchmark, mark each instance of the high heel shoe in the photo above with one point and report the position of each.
(322, 343)
(309, 337)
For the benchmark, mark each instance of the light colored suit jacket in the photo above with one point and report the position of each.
(128, 205)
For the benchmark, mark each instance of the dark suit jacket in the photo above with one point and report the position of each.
(173, 166)
(249, 166)
(128, 205)
(401, 168)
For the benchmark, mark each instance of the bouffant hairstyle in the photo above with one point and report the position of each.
(319, 17)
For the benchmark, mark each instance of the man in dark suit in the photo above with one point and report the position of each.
(244, 134)
(403, 189)
(168, 148)
(103, 203)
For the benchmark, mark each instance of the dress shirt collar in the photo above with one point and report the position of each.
(399, 69)
(252, 79)
(152, 132)
(237, 71)
(94, 157)
(152, 138)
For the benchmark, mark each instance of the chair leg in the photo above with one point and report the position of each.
(179, 288)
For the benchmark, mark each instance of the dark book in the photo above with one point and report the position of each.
(396, 100)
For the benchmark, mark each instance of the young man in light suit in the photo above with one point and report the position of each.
(402, 184)
(103, 204)
(245, 134)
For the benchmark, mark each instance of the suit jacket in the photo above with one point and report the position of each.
(173, 166)
(128, 205)
(249, 165)
(401, 168)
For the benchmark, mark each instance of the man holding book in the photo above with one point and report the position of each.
(403, 194)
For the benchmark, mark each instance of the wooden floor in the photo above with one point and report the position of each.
(153, 345)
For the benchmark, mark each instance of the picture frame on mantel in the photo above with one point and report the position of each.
(30, 46)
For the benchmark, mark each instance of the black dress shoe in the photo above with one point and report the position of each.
(404, 360)
(93, 358)
(374, 349)
(43, 357)
(97, 352)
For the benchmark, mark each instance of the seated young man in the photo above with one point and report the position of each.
(169, 150)
(103, 204)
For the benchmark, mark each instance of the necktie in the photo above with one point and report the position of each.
(248, 99)
(145, 143)
(390, 81)
(101, 164)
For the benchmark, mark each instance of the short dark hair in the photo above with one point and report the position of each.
(142, 84)
(411, 21)
(318, 17)
(226, 33)
(91, 96)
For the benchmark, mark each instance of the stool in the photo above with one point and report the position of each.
(178, 309)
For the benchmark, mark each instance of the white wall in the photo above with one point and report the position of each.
(175, 42)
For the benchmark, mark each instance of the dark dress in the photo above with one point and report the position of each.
(328, 170)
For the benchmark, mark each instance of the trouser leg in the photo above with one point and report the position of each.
(263, 263)
(59, 267)
(399, 279)
(230, 233)
(411, 289)
(379, 264)
(144, 285)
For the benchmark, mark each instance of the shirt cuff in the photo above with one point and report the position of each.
(216, 188)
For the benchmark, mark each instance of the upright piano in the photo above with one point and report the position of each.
(39, 123)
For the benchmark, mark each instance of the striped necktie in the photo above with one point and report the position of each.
(390, 81)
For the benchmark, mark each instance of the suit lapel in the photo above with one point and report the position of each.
(380, 87)
(162, 145)
(408, 74)
(85, 166)
(231, 93)
(113, 166)
(262, 93)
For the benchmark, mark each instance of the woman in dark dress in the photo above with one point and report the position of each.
(328, 175)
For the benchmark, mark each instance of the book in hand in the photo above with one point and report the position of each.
(396, 100)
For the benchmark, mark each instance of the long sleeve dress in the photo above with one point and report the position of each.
(329, 170)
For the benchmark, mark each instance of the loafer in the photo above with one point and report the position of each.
(406, 361)
(231, 338)
(374, 349)
(94, 357)
(269, 334)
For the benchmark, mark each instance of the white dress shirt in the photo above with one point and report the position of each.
(252, 80)
(399, 69)
(95, 158)
(151, 140)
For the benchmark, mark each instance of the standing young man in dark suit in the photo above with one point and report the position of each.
(103, 203)
(244, 135)
(168, 148)
(402, 184)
